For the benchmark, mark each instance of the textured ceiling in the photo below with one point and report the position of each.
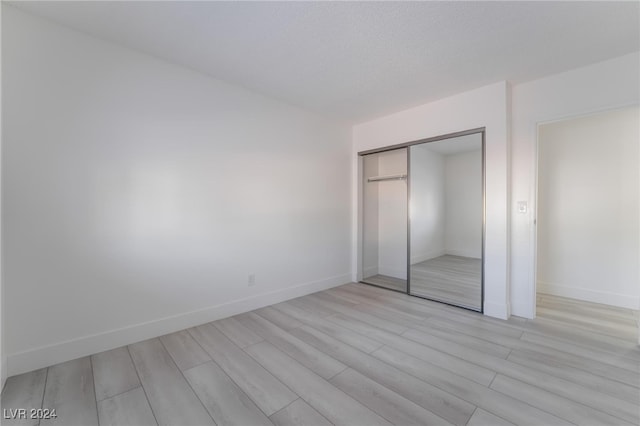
(360, 60)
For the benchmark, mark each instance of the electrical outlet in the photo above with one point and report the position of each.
(252, 280)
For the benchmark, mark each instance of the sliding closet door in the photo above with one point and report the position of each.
(446, 192)
(384, 204)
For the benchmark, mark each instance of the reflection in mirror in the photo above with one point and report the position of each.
(384, 250)
(446, 220)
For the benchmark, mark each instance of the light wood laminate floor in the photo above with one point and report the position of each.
(451, 279)
(355, 355)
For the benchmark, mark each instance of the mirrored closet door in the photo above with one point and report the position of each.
(384, 219)
(446, 220)
(422, 218)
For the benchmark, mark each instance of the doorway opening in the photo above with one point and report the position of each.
(588, 223)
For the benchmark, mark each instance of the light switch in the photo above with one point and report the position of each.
(522, 206)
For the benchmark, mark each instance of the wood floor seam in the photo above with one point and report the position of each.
(188, 383)
(46, 377)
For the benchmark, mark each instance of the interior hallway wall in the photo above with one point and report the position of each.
(588, 208)
(140, 195)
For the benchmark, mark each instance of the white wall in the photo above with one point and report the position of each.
(484, 107)
(602, 86)
(392, 215)
(427, 204)
(463, 204)
(588, 199)
(139, 196)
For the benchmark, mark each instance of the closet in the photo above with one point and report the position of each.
(422, 218)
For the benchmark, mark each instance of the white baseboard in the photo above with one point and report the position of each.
(426, 256)
(45, 356)
(588, 295)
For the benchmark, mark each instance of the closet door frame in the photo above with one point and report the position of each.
(482, 131)
(361, 219)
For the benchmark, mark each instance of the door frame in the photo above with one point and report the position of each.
(535, 196)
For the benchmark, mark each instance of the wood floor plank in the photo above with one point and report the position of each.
(172, 399)
(581, 307)
(459, 366)
(340, 293)
(299, 413)
(309, 305)
(564, 408)
(70, 392)
(484, 418)
(581, 377)
(608, 371)
(504, 337)
(305, 354)
(184, 350)
(584, 338)
(624, 330)
(280, 319)
(333, 300)
(572, 348)
(481, 330)
(501, 405)
(384, 324)
(443, 404)
(386, 403)
(237, 332)
(295, 311)
(113, 373)
(23, 391)
(375, 306)
(506, 328)
(394, 316)
(261, 386)
(550, 354)
(578, 393)
(225, 401)
(345, 335)
(328, 400)
(576, 312)
(401, 305)
(130, 408)
(469, 341)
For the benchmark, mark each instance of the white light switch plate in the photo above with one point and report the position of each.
(522, 206)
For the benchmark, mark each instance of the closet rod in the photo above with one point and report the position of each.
(390, 177)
